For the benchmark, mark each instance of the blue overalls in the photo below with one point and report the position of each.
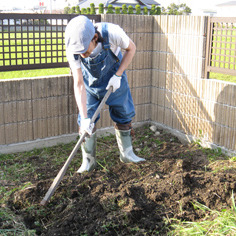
(97, 73)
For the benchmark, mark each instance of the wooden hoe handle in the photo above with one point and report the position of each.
(62, 172)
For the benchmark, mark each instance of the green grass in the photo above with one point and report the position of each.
(215, 223)
(224, 77)
(33, 73)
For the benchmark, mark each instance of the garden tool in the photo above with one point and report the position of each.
(62, 172)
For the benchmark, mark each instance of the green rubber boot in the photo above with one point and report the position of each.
(124, 141)
(89, 154)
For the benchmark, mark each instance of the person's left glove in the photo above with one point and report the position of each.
(114, 82)
(86, 126)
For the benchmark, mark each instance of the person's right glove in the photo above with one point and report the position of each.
(114, 82)
(86, 126)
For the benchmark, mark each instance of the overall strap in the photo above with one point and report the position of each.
(105, 43)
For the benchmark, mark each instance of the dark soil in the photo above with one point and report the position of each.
(129, 199)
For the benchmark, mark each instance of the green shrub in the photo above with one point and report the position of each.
(72, 10)
(130, 10)
(66, 10)
(83, 11)
(92, 6)
(145, 11)
(117, 10)
(138, 9)
(88, 11)
(77, 10)
(110, 9)
(124, 9)
(101, 8)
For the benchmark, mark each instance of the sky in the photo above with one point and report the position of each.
(195, 5)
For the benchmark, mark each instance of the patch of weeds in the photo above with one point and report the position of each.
(215, 222)
(11, 224)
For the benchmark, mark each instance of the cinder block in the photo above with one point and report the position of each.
(169, 62)
(2, 94)
(163, 61)
(40, 108)
(40, 88)
(168, 99)
(73, 125)
(10, 88)
(155, 78)
(156, 60)
(169, 81)
(3, 135)
(1, 114)
(52, 107)
(129, 74)
(70, 85)
(40, 128)
(141, 78)
(73, 109)
(24, 110)
(163, 43)
(160, 114)
(10, 112)
(63, 105)
(157, 24)
(63, 123)
(24, 89)
(11, 133)
(168, 117)
(162, 79)
(25, 131)
(53, 126)
(63, 85)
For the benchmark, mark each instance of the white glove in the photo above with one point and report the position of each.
(86, 126)
(114, 82)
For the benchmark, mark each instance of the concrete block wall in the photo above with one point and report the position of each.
(166, 83)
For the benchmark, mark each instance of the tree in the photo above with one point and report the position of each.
(174, 9)
(138, 9)
(124, 9)
(145, 11)
(153, 10)
(77, 10)
(92, 6)
(184, 9)
(110, 9)
(88, 11)
(66, 10)
(72, 10)
(83, 11)
(117, 10)
(158, 11)
(130, 10)
(101, 8)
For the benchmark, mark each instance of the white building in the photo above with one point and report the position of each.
(227, 9)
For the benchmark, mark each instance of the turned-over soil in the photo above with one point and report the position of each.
(127, 199)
